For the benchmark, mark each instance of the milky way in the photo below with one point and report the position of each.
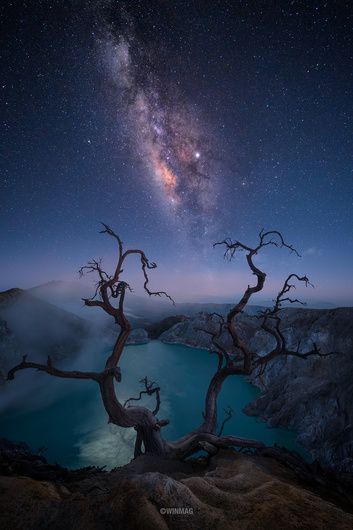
(167, 136)
(103, 117)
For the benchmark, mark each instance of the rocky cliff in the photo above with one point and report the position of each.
(190, 331)
(313, 396)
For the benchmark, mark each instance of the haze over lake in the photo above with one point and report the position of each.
(72, 423)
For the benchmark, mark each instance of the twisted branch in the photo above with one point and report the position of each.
(229, 413)
(50, 369)
(149, 389)
(193, 443)
(271, 322)
(231, 248)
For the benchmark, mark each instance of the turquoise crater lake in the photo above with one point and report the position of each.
(68, 417)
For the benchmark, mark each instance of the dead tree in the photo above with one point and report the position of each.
(110, 296)
(241, 360)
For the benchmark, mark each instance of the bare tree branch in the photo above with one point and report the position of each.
(149, 389)
(271, 320)
(109, 231)
(145, 266)
(241, 360)
(109, 295)
(279, 243)
(229, 413)
(50, 369)
(231, 248)
(192, 443)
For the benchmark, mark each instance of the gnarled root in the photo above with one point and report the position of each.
(206, 441)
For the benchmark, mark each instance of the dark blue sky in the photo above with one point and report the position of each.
(179, 123)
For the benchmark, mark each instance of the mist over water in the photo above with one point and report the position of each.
(68, 417)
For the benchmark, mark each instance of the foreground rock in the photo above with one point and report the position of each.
(234, 492)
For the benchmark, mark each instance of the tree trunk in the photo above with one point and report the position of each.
(210, 414)
(141, 418)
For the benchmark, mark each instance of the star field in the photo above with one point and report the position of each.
(179, 123)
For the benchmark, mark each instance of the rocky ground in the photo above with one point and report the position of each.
(273, 490)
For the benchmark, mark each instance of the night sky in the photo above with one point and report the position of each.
(179, 123)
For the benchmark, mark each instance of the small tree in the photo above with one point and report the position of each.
(240, 360)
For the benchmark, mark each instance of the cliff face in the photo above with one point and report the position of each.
(234, 491)
(155, 330)
(189, 331)
(312, 396)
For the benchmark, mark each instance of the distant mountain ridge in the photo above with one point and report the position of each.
(37, 328)
(141, 309)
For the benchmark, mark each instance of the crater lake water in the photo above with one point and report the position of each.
(68, 418)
